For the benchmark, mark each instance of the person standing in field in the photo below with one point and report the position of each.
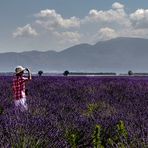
(19, 87)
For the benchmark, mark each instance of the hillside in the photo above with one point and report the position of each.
(119, 54)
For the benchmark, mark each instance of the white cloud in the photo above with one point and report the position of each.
(67, 37)
(50, 20)
(132, 32)
(47, 13)
(117, 5)
(26, 31)
(105, 34)
(140, 18)
(109, 15)
(115, 17)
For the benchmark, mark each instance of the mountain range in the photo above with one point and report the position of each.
(119, 54)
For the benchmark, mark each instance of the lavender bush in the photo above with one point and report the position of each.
(67, 112)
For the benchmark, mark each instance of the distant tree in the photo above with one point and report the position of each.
(40, 73)
(130, 73)
(66, 72)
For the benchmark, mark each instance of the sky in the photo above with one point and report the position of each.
(43, 25)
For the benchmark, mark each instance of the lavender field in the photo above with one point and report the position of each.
(77, 112)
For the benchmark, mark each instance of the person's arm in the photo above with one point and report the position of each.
(29, 74)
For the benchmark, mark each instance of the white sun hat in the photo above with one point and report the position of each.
(19, 69)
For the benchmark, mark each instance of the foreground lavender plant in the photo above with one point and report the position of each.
(63, 111)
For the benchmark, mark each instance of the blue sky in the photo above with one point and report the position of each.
(57, 24)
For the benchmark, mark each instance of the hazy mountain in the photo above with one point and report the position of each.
(119, 54)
